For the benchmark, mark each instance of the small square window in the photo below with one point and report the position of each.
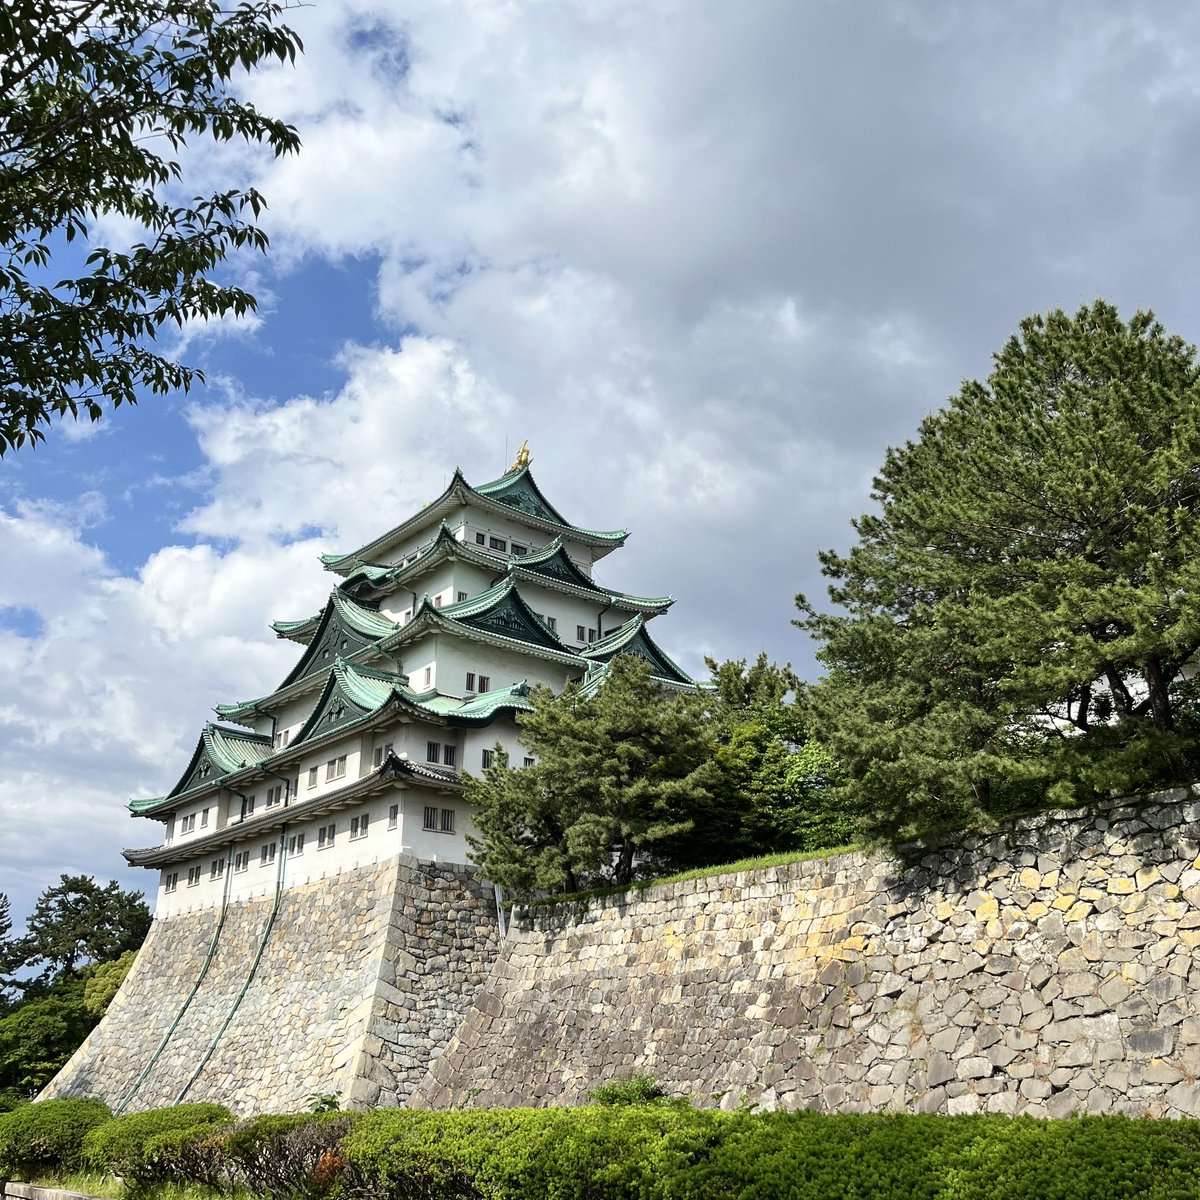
(266, 855)
(485, 682)
(241, 860)
(519, 550)
(495, 543)
(552, 622)
(335, 768)
(358, 825)
(486, 758)
(393, 816)
(325, 835)
(470, 681)
(296, 844)
(528, 761)
(437, 602)
(461, 597)
(433, 752)
(448, 755)
(216, 868)
(431, 818)
(447, 820)
(193, 876)
(480, 539)
(312, 776)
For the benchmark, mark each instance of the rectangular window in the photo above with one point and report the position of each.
(287, 737)
(296, 844)
(480, 539)
(485, 682)
(381, 752)
(486, 758)
(437, 602)
(580, 633)
(428, 676)
(431, 815)
(447, 820)
(312, 776)
(495, 543)
(335, 768)
(193, 876)
(528, 761)
(448, 755)
(325, 835)
(241, 860)
(266, 855)
(461, 597)
(216, 868)
(358, 825)
(171, 882)
(470, 681)
(204, 819)
(188, 823)
(433, 752)
(393, 816)
(519, 550)
(591, 635)
(275, 795)
(247, 806)
(407, 616)
(552, 622)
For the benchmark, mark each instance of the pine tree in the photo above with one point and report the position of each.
(615, 773)
(1018, 609)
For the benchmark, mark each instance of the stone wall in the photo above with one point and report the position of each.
(363, 978)
(1047, 969)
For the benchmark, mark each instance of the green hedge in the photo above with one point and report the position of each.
(47, 1137)
(127, 1145)
(288, 1157)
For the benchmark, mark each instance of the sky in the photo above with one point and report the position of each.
(710, 259)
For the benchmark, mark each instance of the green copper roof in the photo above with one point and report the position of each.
(553, 566)
(501, 610)
(513, 493)
(350, 694)
(485, 705)
(219, 752)
(345, 626)
(297, 631)
(633, 638)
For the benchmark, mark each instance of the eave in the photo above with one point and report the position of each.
(460, 494)
(634, 638)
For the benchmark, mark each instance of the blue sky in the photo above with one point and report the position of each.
(710, 259)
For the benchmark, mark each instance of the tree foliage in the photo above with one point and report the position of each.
(77, 921)
(1017, 609)
(615, 774)
(95, 98)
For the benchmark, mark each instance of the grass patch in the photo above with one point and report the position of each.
(644, 885)
(109, 1187)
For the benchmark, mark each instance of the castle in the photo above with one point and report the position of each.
(412, 673)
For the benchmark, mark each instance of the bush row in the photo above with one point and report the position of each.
(642, 1151)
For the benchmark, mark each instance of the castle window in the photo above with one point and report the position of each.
(448, 755)
(216, 868)
(381, 752)
(433, 752)
(171, 882)
(312, 776)
(335, 768)
(519, 550)
(486, 758)
(428, 676)
(193, 876)
(447, 820)
(407, 616)
(203, 818)
(431, 817)
(591, 635)
(241, 860)
(485, 682)
(495, 543)
(580, 633)
(461, 597)
(480, 540)
(470, 681)
(275, 795)
(528, 761)
(325, 835)
(437, 602)
(188, 823)
(552, 622)
(266, 855)
(296, 844)
(358, 825)
(393, 816)
(247, 806)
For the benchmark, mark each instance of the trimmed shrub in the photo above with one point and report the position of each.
(628, 1089)
(48, 1136)
(290, 1157)
(192, 1155)
(124, 1144)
